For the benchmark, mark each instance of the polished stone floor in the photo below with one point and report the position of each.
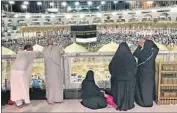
(75, 106)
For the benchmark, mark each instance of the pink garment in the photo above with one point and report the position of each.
(10, 102)
(110, 101)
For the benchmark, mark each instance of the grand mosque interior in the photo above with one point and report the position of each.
(90, 32)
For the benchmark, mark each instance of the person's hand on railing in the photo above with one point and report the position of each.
(77, 54)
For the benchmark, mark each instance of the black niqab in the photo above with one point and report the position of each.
(123, 63)
(90, 76)
(92, 97)
(89, 88)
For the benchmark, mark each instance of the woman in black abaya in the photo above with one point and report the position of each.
(123, 68)
(92, 97)
(145, 89)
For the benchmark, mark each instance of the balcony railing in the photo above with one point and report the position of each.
(73, 75)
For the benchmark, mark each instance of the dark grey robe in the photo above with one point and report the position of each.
(145, 77)
(92, 97)
(123, 68)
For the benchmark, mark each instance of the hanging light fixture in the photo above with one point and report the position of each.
(26, 3)
(103, 2)
(89, 3)
(69, 8)
(39, 3)
(11, 2)
(51, 4)
(77, 3)
(115, 2)
(23, 6)
(64, 4)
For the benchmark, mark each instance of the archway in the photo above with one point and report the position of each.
(147, 17)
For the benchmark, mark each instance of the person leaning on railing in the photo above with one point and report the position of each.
(20, 75)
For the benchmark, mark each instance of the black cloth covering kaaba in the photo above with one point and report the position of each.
(145, 77)
(91, 96)
(123, 68)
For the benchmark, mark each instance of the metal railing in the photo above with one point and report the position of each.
(70, 81)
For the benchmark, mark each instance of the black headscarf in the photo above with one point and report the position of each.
(123, 64)
(90, 76)
(146, 52)
(89, 88)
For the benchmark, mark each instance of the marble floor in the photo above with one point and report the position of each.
(75, 106)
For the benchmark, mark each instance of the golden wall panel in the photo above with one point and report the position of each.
(80, 66)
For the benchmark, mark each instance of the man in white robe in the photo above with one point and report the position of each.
(53, 72)
(20, 75)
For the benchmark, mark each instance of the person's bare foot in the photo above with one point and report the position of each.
(51, 103)
(21, 106)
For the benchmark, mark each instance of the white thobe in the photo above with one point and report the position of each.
(53, 73)
(20, 75)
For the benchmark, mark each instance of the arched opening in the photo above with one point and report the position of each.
(147, 17)
(96, 20)
(84, 21)
(133, 18)
(164, 17)
(108, 19)
(120, 19)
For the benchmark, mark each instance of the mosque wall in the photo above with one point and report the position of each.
(29, 19)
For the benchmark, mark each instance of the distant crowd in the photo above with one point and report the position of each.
(104, 36)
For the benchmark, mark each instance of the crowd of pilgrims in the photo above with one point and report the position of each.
(130, 81)
(104, 36)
